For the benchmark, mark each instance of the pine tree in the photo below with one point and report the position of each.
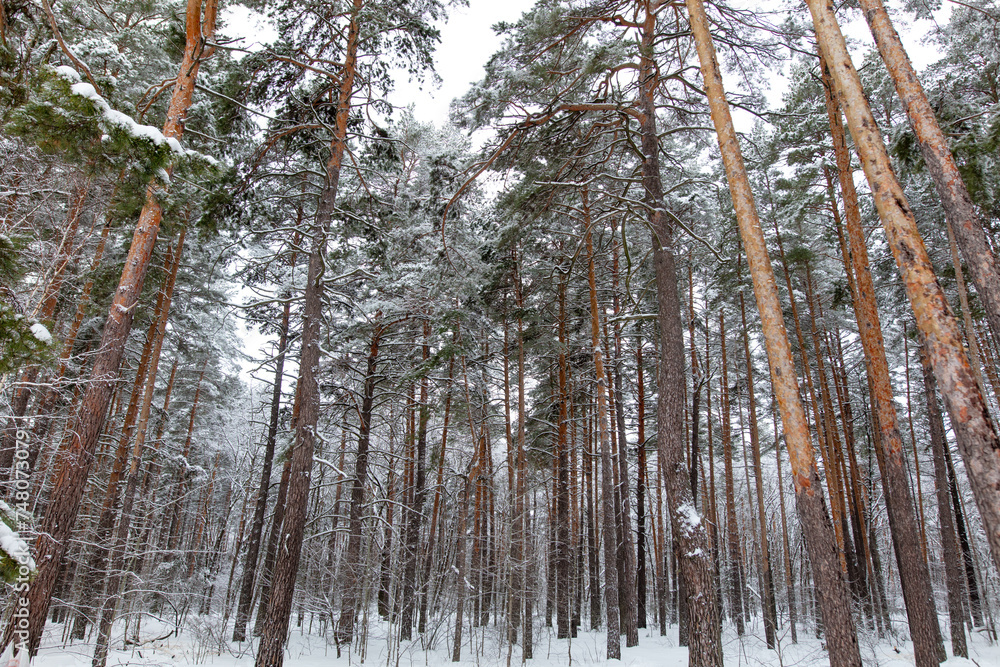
(842, 641)
(57, 524)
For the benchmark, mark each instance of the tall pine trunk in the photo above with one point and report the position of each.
(914, 574)
(960, 213)
(789, 574)
(436, 507)
(272, 641)
(115, 573)
(98, 568)
(627, 591)
(974, 430)
(691, 533)
(83, 432)
(833, 597)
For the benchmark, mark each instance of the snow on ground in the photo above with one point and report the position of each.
(199, 644)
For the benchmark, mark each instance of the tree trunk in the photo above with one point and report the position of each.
(252, 554)
(713, 505)
(353, 566)
(614, 651)
(527, 616)
(735, 588)
(174, 533)
(388, 517)
(415, 512)
(137, 412)
(695, 564)
(627, 589)
(972, 582)
(640, 486)
(960, 213)
(54, 397)
(271, 554)
(97, 570)
(826, 424)
(914, 575)
(975, 432)
(834, 600)
(460, 563)
(767, 584)
(575, 504)
(436, 511)
(519, 535)
(593, 565)
(789, 575)
(921, 521)
(472, 477)
(562, 513)
(201, 521)
(85, 427)
(946, 516)
(272, 641)
(116, 571)
(696, 383)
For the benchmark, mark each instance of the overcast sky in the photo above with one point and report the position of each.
(467, 42)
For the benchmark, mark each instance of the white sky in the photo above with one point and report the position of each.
(467, 42)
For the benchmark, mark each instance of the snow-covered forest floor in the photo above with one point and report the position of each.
(199, 644)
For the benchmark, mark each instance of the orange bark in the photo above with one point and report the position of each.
(831, 589)
(960, 214)
(975, 432)
(83, 431)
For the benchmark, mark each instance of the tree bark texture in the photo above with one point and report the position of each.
(695, 565)
(77, 450)
(960, 213)
(907, 545)
(272, 641)
(974, 430)
(832, 593)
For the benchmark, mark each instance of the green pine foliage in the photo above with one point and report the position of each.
(22, 340)
(15, 556)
